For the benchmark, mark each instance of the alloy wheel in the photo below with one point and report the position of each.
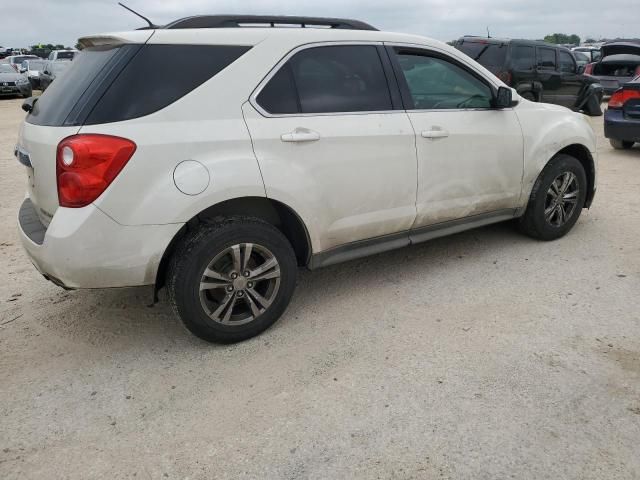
(561, 199)
(239, 284)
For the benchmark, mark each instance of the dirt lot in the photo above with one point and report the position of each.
(485, 355)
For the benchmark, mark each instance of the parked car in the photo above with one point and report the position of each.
(51, 71)
(539, 71)
(593, 53)
(12, 82)
(16, 60)
(622, 117)
(582, 59)
(32, 69)
(620, 62)
(325, 145)
(62, 55)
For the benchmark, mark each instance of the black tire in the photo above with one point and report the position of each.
(196, 252)
(620, 144)
(534, 222)
(529, 96)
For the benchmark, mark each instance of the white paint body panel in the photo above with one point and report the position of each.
(357, 181)
(361, 179)
(476, 169)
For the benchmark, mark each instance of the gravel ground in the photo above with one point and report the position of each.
(485, 355)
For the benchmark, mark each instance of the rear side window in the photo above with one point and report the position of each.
(159, 75)
(485, 53)
(115, 83)
(523, 57)
(279, 95)
(567, 64)
(344, 78)
(546, 59)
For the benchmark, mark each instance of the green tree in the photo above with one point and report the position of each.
(560, 38)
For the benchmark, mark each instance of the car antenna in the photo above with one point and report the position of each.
(151, 25)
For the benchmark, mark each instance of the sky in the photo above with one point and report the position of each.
(30, 22)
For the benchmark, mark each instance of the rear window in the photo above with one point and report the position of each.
(65, 55)
(546, 58)
(112, 84)
(487, 54)
(523, 57)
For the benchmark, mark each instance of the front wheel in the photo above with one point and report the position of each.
(620, 144)
(556, 200)
(232, 280)
(529, 96)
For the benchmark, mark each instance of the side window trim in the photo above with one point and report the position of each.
(407, 99)
(395, 95)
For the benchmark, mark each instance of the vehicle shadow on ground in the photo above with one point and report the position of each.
(123, 318)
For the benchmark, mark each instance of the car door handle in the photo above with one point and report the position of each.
(436, 133)
(300, 135)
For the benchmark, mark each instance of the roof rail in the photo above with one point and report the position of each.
(234, 21)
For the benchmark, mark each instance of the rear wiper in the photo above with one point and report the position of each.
(481, 52)
(28, 104)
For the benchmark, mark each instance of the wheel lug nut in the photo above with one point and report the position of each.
(240, 293)
(229, 288)
(247, 273)
(250, 284)
(234, 275)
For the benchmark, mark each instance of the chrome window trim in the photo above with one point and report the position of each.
(253, 98)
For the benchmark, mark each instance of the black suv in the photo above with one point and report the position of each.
(539, 71)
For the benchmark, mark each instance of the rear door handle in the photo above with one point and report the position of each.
(300, 135)
(435, 133)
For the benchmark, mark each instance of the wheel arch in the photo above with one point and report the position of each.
(583, 155)
(272, 211)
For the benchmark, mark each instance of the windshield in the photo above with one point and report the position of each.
(19, 60)
(485, 53)
(6, 68)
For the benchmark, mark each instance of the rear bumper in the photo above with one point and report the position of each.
(617, 127)
(84, 248)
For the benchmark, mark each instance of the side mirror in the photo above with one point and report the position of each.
(503, 98)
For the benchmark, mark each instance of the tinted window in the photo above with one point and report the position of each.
(110, 84)
(65, 55)
(567, 63)
(523, 57)
(159, 75)
(435, 83)
(346, 78)
(487, 54)
(279, 95)
(546, 59)
(54, 105)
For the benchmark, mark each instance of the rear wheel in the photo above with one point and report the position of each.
(232, 280)
(620, 144)
(556, 200)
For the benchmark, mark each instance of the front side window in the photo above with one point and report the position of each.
(567, 64)
(546, 59)
(523, 57)
(437, 84)
(335, 79)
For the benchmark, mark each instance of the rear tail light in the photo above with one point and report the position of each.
(588, 69)
(620, 97)
(505, 77)
(86, 164)
(637, 70)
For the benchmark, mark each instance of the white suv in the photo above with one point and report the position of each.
(215, 160)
